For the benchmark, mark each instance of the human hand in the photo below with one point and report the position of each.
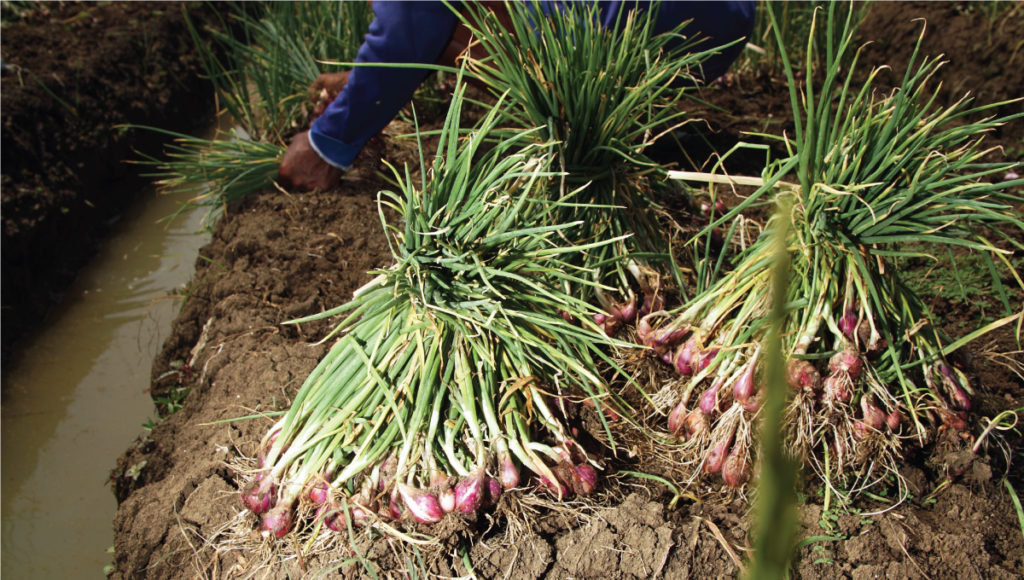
(325, 89)
(303, 169)
(331, 82)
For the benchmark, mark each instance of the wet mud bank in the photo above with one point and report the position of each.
(72, 73)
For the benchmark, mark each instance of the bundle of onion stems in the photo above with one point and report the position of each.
(213, 172)
(261, 71)
(881, 178)
(450, 379)
(604, 96)
(263, 57)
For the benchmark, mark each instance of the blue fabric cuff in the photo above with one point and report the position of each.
(336, 153)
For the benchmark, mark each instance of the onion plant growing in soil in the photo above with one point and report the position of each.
(794, 21)
(262, 60)
(868, 363)
(450, 379)
(261, 63)
(214, 172)
(604, 97)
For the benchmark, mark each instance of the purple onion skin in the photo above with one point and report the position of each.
(508, 474)
(744, 387)
(360, 513)
(629, 311)
(849, 322)
(277, 522)
(846, 361)
(684, 357)
(873, 416)
(334, 519)
(667, 356)
(318, 493)
(492, 491)
(565, 472)
(893, 419)
(395, 510)
(260, 496)
(838, 388)
(676, 419)
(584, 479)
(653, 302)
(801, 374)
(959, 396)
(752, 404)
(387, 472)
(735, 471)
(716, 458)
(706, 357)
(720, 207)
(643, 330)
(469, 493)
(861, 429)
(423, 505)
(961, 400)
(611, 325)
(668, 339)
(624, 312)
(708, 402)
(555, 487)
(334, 515)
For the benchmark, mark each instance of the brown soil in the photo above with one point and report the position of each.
(276, 256)
(73, 72)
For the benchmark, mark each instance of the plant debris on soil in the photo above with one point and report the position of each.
(276, 256)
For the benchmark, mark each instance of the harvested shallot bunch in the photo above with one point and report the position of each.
(447, 383)
(877, 178)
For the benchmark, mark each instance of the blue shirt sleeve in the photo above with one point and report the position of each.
(401, 32)
(717, 23)
(418, 32)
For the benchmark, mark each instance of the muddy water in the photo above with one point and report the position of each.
(75, 397)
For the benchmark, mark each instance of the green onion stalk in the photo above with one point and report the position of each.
(263, 57)
(213, 172)
(604, 95)
(867, 361)
(455, 368)
(260, 63)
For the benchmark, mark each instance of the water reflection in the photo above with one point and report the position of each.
(75, 396)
